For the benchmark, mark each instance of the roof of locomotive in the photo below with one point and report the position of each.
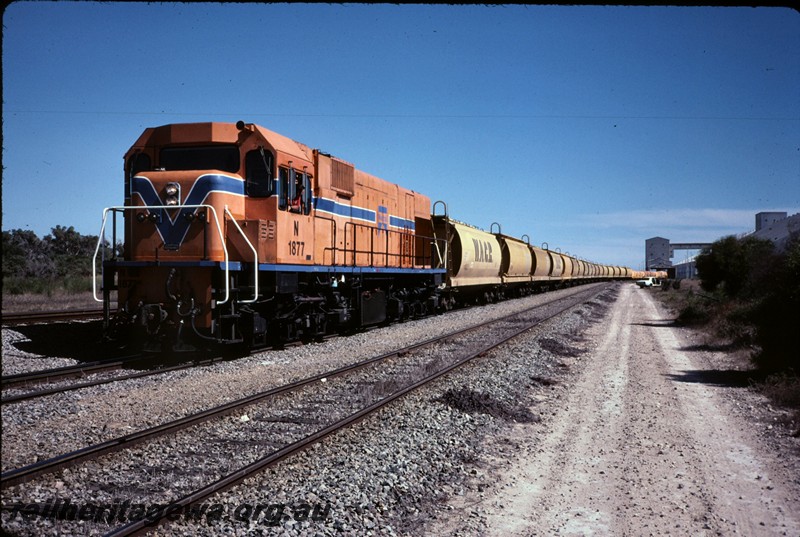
(284, 144)
(217, 132)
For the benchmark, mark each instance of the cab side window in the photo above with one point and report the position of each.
(259, 165)
(305, 194)
(294, 191)
(138, 162)
(283, 188)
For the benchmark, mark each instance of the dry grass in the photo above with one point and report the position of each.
(41, 302)
(725, 329)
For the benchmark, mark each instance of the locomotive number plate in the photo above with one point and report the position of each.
(297, 247)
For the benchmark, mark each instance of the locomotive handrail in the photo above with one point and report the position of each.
(435, 245)
(442, 257)
(433, 209)
(255, 256)
(371, 253)
(150, 208)
(333, 248)
(404, 238)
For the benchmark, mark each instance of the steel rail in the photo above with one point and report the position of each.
(144, 524)
(26, 473)
(68, 371)
(74, 371)
(48, 316)
(70, 387)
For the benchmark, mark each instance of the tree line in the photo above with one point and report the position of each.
(61, 260)
(757, 287)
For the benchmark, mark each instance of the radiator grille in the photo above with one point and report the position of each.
(342, 177)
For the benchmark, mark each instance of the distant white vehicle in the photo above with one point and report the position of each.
(649, 282)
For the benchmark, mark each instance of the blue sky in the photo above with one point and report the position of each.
(591, 128)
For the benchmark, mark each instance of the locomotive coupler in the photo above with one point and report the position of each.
(152, 317)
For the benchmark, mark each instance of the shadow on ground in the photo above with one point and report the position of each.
(79, 341)
(729, 378)
(658, 323)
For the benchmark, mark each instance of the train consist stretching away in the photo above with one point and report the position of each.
(237, 236)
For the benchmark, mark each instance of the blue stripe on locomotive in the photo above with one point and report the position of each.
(403, 223)
(329, 206)
(341, 209)
(238, 266)
(174, 229)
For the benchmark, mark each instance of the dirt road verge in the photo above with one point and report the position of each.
(645, 441)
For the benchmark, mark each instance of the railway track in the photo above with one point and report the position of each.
(414, 366)
(70, 371)
(50, 316)
(98, 367)
(49, 376)
(26, 396)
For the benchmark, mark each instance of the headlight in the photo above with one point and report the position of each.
(172, 191)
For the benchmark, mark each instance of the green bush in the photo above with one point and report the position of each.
(695, 311)
(759, 294)
(77, 284)
(735, 265)
(782, 388)
(36, 286)
(777, 315)
(61, 261)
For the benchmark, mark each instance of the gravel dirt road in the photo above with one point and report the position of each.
(642, 442)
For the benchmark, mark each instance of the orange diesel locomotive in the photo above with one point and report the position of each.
(235, 235)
